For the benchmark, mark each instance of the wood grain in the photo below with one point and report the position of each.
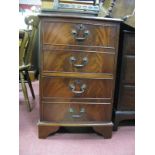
(76, 100)
(61, 61)
(47, 128)
(79, 75)
(60, 87)
(44, 131)
(60, 112)
(71, 95)
(61, 33)
(105, 131)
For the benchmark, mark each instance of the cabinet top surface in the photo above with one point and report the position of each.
(77, 16)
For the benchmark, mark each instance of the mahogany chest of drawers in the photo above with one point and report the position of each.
(125, 85)
(78, 57)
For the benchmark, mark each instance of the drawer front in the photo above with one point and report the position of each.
(76, 112)
(60, 33)
(89, 62)
(129, 70)
(76, 88)
(129, 43)
(127, 98)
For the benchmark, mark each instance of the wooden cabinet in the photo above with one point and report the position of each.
(78, 57)
(125, 85)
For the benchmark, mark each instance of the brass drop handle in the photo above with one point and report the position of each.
(75, 34)
(72, 60)
(73, 88)
(82, 110)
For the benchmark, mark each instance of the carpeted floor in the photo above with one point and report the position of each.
(122, 142)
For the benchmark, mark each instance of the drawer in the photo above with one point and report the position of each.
(76, 88)
(76, 112)
(127, 98)
(129, 70)
(129, 43)
(60, 33)
(75, 61)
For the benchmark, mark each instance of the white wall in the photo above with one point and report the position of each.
(31, 2)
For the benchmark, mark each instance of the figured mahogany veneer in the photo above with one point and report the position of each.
(61, 87)
(78, 57)
(77, 61)
(74, 113)
(61, 32)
